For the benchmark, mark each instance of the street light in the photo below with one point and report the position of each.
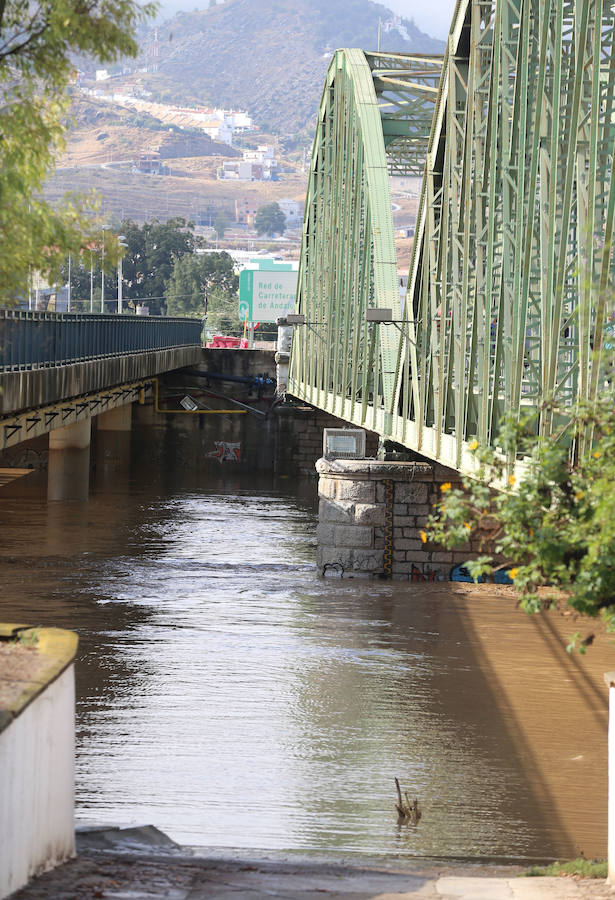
(121, 240)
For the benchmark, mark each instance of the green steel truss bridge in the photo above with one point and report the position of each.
(509, 294)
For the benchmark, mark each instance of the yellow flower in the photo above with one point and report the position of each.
(511, 480)
(579, 495)
(473, 445)
(423, 536)
(446, 486)
(512, 573)
(531, 532)
(467, 525)
(597, 454)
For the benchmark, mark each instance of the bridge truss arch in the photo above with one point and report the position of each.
(510, 283)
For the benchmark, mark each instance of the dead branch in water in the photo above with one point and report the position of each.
(406, 811)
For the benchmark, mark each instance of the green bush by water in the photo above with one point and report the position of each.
(585, 868)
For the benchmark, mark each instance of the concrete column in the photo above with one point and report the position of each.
(118, 419)
(113, 433)
(68, 476)
(371, 516)
(73, 437)
(609, 678)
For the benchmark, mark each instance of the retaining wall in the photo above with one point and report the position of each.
(37, 752)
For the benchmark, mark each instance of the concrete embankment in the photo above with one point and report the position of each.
(37, 754)
(165, 874)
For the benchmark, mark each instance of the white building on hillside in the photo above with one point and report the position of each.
(293, 210)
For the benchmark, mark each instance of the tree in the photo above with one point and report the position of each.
(270, 219)
(221, 222)
(37, 44)
(557, 526)
(196, 276)
(150, 257)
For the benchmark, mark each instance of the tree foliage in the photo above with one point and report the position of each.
(270, 219)
(150, 256)
(199, 276)
(556, 527)
(147, 265)
(37, 42)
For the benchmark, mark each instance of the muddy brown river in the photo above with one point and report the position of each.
(234, 699)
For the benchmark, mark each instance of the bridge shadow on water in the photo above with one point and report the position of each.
(506, 696)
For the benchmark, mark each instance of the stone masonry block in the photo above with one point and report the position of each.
(399, 556)
(368, 514)
(404, 521)
(442, 556)
(357, 491)
(461, 556)
(326, 488)
(400, 509)
(410, 533)
(368, 561)
(325, 534)
(415, 556)
(379, 492)
(411, 493)
(408, 545)
(338, 511)
(331, 556)
(402, 568)
(353, 536)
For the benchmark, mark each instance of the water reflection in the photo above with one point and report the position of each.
(232, 698)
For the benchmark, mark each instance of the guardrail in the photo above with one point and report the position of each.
(36, 340)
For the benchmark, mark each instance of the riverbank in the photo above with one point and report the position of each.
(114, 876)
(142, 863)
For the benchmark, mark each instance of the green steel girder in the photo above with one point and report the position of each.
(511, 272)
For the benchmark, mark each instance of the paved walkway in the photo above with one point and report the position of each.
(156, 869)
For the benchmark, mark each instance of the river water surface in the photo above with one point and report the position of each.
(234, 699)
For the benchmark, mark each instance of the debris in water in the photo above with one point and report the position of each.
(407, 812)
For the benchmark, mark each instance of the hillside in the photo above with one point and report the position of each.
(268, 57)
(101, 133)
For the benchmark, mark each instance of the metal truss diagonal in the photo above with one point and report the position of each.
(510, 288)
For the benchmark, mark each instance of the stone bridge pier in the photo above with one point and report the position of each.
(371, 515)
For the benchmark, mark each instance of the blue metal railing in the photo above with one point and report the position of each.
(34, 340)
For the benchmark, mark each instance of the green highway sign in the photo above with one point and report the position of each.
(265, 296)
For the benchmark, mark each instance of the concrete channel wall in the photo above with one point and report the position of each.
(37, 752)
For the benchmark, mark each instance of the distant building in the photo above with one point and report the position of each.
(293, 210)
(150, 164)
(245, 211)
(255, 165)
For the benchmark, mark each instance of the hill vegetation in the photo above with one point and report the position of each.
(267, 56)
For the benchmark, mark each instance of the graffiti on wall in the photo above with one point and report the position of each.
(226, 451)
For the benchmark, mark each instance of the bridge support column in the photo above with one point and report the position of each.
(371, 515)
(113, 430)
(118, 419)
(68, 476)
